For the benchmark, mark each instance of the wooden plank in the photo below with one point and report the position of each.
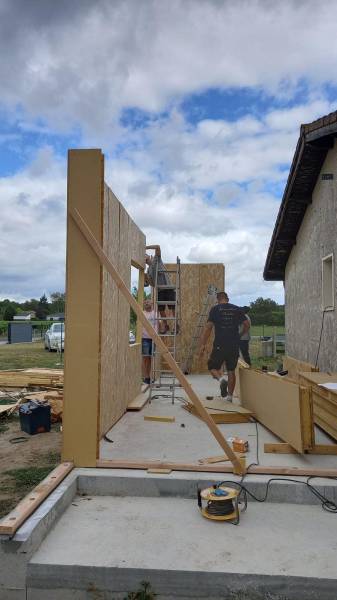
(276, 403)
(103, 259)
(11, 523)
(328, 449)
(219, 468)
(294, 367)
(139, 402)
(159, 418)
(83, 311)
(216, 459)
(160, 471)
(307, 418)
(219, 416)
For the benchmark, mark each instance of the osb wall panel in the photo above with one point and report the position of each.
(194, 282)
(102, 372)
(120, 362)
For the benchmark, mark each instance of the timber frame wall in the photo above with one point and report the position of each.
(194, 282)
(102, 370)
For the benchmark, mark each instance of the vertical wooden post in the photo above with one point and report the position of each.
(140, 298)
(274, 341)
(83, 311)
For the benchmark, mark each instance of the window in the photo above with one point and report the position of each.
(134, 329)
(328, 300)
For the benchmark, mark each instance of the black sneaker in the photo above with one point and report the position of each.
(223, 388)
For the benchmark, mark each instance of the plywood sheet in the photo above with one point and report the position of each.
(294, 366)
(276, 404)
(195, 279)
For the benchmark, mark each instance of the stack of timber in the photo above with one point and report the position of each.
(324, 400)
(295, 367)
(46, 378)
(222, 411)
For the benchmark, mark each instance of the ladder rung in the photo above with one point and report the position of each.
(165, 302)
(166, 287)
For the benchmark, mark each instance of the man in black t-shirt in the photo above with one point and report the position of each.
(225, 319)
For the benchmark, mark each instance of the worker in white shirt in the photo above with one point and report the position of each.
(245, 338)
(147, 343)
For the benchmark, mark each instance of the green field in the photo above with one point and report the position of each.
(266, 330)
(26, 356)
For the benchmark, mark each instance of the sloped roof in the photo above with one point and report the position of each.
(315, 140)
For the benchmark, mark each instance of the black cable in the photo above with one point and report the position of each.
(320, 339)
(327, 505)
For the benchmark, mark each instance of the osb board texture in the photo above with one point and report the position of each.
(294, 366)
(83, 310)
(275, 403)
(194, 282)
(121, 363)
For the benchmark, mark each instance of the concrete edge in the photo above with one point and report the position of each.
(104, 482)
(191, 584)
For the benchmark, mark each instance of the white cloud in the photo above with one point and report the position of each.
(32, 229)
(80, 62)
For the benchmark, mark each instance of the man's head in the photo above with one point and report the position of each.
(246, 309)
(147, 305)
(222, 298)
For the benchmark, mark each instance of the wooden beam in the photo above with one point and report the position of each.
(282, 448)
(205, 468)
(104, 260)
(11, 523)
(83, 311)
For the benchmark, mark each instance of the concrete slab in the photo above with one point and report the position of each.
(111, 544)
(188, 439)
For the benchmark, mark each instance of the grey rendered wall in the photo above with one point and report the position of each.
(303, 278)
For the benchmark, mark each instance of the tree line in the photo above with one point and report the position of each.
(42, 307)
(264, 311)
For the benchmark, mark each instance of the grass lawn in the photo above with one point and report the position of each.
(29, 355)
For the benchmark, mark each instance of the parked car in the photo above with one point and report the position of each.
(132, 337)
(54, 337)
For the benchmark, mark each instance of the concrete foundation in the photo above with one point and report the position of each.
(103, 531)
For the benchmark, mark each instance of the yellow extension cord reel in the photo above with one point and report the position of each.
(222, 503)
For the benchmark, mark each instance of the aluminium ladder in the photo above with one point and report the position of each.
(163, 380)
(205, 308)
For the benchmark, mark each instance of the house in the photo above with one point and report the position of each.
(304, 244)
(25, 316)
(55, 317)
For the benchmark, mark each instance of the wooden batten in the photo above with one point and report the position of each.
(11, 522)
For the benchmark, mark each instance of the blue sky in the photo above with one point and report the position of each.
(196, 104)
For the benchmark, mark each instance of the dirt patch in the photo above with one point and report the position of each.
(23, 465)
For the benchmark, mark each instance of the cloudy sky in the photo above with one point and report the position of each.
(196, 104)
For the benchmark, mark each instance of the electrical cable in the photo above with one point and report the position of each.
(326, 504)
(320, 339)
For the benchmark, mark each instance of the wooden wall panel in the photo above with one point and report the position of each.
(102, 371)
(294, 367)
(209, 274)
(279, 405)
(109, 348)
(83, 311)
(195, 279)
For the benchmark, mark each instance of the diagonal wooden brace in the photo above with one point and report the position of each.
(106, 262)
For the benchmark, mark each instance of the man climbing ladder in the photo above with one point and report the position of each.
(225, 318)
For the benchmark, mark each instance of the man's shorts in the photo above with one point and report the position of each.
(219, 356)
(146, 347)
(168, 296)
